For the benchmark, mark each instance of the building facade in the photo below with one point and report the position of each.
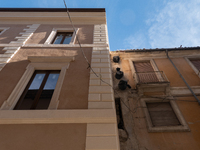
(160, 109)
(50, 98)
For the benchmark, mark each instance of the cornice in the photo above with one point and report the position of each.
(52, 17)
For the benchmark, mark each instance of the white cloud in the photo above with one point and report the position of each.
(178, 23)
(135, 41)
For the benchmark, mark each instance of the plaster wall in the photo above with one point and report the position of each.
(74, 92)
(43, 136)
(12, 32)
(175, 80)
(85, 33)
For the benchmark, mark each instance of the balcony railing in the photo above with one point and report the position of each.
(151, 77)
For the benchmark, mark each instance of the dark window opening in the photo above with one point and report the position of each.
(196, 63)
(63, 38)
(38, 92)
(162, 114)
(120, 121)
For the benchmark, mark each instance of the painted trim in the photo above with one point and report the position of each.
(58, 116)
(56, 30)
(3, 29)
(191, 64)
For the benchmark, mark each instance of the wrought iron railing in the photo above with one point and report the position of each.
(151, 77)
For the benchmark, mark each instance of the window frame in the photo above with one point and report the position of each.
(152, 62)
(54, 32)
(39, 63)
(191, 64)
(3, 29)
(182, 128)
(40, 89)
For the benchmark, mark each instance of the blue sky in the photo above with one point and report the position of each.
(138, 24)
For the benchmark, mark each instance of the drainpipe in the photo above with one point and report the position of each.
(183, 78)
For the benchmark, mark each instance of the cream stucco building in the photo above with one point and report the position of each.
(50, 99)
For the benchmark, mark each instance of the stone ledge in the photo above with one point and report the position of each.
(100, 65)
(97, 70)
(94, 97)
(101, 130)
(107, 97)
(100, 56)
(94, 82)
(100, 105)
(105, 70)
(103, 76)
(100, 89)
(57, 116)
(101, 143)
(96, 60)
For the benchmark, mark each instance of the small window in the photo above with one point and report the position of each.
(162, 114)
(38, 93)
(196, 63)
(63, 38)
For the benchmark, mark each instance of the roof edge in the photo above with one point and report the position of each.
(52, 9)
(158, 49)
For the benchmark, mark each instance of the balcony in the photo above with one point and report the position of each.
(151, 77)
(155, 81)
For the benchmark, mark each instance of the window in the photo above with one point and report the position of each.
(147, 72)
(38, 93)
(163, 116)
(195, 64)
(41, 68)
(61, 36)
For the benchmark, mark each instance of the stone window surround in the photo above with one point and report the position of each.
(56, 30)
(3, 29)
(182, 128)
(153, 64)
(191, 64)
(39, 63)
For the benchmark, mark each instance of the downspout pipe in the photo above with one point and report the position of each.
(183, 78)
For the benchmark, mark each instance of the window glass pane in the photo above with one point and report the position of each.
(37, 81)
(58, 39)
(68, 38)
(45, 99)
(51, 81)
(28, 100)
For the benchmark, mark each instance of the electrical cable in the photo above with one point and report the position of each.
(89, 66)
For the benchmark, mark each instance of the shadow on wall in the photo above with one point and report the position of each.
(85, 34)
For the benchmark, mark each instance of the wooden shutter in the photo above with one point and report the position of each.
(145, 72)
(143, 66)
(162, 114)
(196, 63)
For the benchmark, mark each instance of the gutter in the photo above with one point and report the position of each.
(183, 78)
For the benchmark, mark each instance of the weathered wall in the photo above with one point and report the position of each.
(85, 33)
(11, 33)
(175, 80)
(43, 137)
(74, 92)
(136, 135)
